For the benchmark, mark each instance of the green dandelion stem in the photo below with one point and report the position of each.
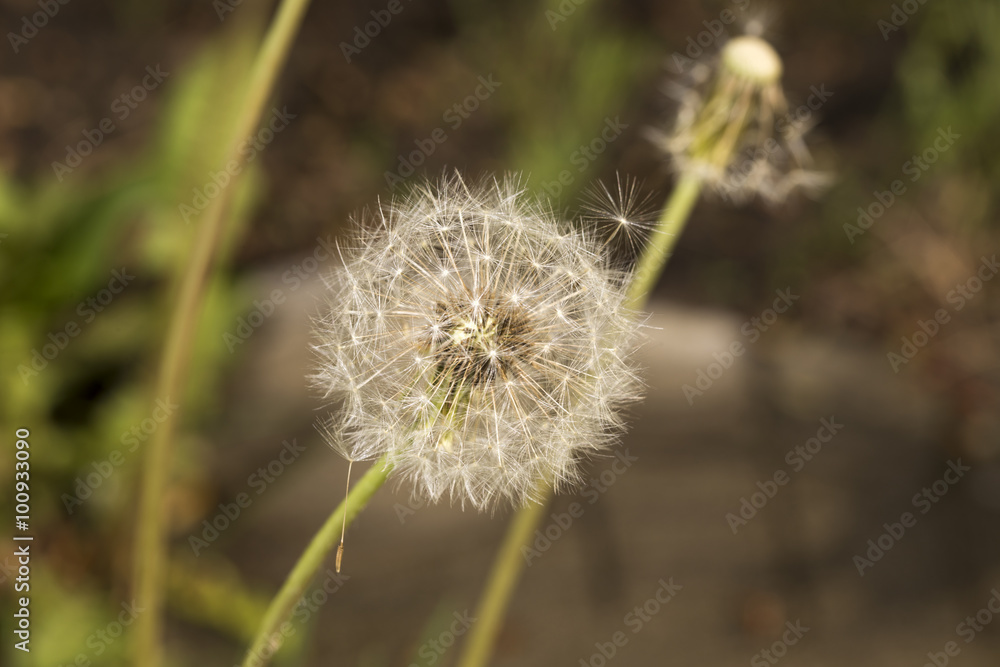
(268, 637)
(500, 586)
(661, 244)
(510, 562)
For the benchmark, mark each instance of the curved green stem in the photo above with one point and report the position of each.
(509, 562)
(503, 578)
(661, 244)
(149, 548)
(269, 637)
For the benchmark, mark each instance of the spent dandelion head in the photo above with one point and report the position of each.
(732, 126)
(477, 342)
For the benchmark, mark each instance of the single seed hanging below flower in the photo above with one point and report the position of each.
(343, 526)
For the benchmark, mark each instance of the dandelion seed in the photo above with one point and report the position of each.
(624, 216)
(498, 355)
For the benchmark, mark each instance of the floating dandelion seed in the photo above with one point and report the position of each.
(477, 342)
(623, 216)
(732, 127)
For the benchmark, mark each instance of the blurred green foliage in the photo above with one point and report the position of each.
(83, 352)
(948, 78)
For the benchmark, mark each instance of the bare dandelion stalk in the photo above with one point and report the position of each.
(661, 244)
(507, 568)
(506, 571)
(149, 549)
(269, 637)
(736, 118)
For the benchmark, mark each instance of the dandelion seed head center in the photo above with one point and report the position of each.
(753, 58)
(477, 341)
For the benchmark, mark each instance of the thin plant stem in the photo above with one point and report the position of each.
(661, 244)
(509, 562)
(503, 578)
(149, 548)
(268, 638)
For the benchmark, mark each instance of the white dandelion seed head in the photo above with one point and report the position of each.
(477, 342)
(732, 126)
